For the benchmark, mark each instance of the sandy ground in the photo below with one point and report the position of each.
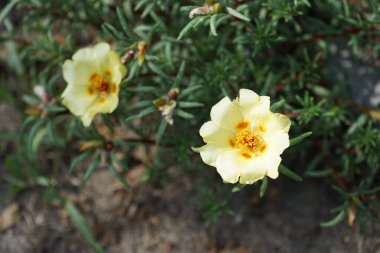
(151, 219)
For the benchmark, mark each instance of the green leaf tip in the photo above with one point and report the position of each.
(300, 138)
(213, 25)
(187, 28)
(287, 172)
(337, 219)
(238, 15)
(264, 186)
(196, 150)
(80, 224)
(238, 187)
(277, 105)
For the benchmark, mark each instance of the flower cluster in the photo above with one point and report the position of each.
(244, 139)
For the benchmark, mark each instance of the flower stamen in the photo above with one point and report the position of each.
(247, 139)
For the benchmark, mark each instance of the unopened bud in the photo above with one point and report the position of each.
(167, 111)
(216, 8)
(208, 9)
(159, 102)
(142, 50)
(86, 145)
(34, 110)
(200, 11)
(40, 91)
(172, 93)
(108, 145)
(127, 56)
(142, 45)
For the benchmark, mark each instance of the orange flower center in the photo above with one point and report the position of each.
(247, 139)
(250, 142)
(101, 85)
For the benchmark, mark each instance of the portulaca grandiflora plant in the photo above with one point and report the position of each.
(223, 90)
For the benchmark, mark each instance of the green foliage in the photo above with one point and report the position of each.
(264, 186)
(277, 48)
(80, 223)
(212, 201)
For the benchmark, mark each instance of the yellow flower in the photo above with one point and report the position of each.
(93, 77)
(244, 139)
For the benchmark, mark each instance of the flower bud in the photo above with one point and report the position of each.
(86, 145)
(215, 8)
(200, 11)
(172, 93)
(127, 56)
(159, 102)
(34, 110)
(142, 50)
(108, 145)
(40, 91)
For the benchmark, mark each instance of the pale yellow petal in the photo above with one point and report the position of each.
(277, 142)
(229, 165)
(262, 107)
(209, 153)
(276, 122)
(100, 105)
(113, 101)
(87, 118)
(77, 99)
(113, 64)
(123, 70)
(226, 114)
(78, 73)
(247, 98)
(102, 50)
(97, 53)
(271, 161)
(216, 135)
(254, 169)
(253, 106)
(107, 105)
